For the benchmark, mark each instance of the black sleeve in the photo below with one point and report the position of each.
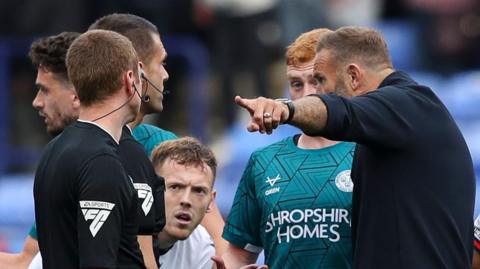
(104, 194)
(145, 208)
(140, 169)
(382, 118)
(476, 237)
(159, 204)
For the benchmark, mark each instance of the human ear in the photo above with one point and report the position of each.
(209, 207)
(75, 100)
(355, 75)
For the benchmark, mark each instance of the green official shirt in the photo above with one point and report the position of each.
(150, 136)
(295, 204)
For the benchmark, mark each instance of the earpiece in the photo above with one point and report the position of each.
(144, 97)
(155, 87)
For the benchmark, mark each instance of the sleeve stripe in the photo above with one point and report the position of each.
(253, 248)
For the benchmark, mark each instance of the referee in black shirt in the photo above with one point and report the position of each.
(414, 185)
(85, 204)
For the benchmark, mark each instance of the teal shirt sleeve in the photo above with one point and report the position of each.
(242, 228)
(33, 232)
(150, 136)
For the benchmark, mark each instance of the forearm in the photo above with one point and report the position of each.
(22, 259)
(235, 257)
(146, 246)
(310, 115)
(12, 261)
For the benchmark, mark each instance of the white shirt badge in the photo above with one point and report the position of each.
(144, 192)
(98, 211)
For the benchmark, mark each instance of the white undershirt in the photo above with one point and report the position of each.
(192, 253)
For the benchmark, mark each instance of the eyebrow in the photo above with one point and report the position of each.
(40, 85)
(174, 181)
(201, 187)
(183, 184)
(318, 76)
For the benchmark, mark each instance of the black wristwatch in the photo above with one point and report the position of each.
(291, 108)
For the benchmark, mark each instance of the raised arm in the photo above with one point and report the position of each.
(310, 114)
(386, 118)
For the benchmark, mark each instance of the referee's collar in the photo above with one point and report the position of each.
(99, 126)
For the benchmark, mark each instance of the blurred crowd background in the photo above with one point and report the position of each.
(222, 48)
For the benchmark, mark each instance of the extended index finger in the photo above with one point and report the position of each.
(248, 104)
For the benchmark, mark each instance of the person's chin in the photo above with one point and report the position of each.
(155, 107)
(182, 234)
(159, 108)
(53, 131)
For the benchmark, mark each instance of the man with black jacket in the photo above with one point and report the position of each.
(414, 185)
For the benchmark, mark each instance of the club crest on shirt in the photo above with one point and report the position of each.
(98, 212)
(343, 181)
(144, 192)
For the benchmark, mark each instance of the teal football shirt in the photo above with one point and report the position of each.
(150, 136)
(295, 204)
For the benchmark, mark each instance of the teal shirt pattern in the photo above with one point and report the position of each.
(295, 204)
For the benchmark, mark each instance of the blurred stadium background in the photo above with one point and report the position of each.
(218, 49)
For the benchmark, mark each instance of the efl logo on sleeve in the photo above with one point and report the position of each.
(98, 211)
(144, 192)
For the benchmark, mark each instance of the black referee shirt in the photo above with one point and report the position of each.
(150, 188)
(414, 186)
(85, 204)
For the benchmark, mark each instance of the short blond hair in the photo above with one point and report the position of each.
(96, 61)
(303, 49)
(357, 43)
(186, 151)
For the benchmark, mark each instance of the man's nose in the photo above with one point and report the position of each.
(185, 199)
(37, 102)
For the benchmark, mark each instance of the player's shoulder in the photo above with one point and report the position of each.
(201, 235)
(200, 240)
(83, 142)
(144, 130)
